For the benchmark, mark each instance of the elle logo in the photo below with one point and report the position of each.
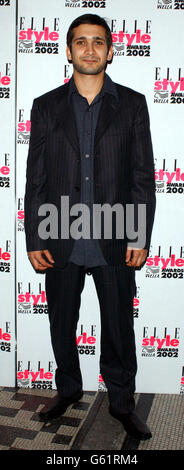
(84, 339)
(160, 342)
(41, 374)
(4, 255)
(4, 336)
(4, 80)
(44, 35)
(4, 170)
(137, 37)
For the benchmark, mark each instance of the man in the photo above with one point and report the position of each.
(90, 141)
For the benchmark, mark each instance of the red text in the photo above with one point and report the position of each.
(34, 375)
(83, 339)
(160, 342)
(24, 126)
(165, 83)
(5, 170)
(27, 297)
(4, 80)
(5, 255)
(44, 35)
(135, 37)
(172, 261)
(4, 336)
(161, 174)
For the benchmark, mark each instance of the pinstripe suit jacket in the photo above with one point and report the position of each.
(123, 166)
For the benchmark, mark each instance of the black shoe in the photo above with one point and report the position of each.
(133, 425)
(59, 407)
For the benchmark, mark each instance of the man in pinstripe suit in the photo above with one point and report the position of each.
(90, 140)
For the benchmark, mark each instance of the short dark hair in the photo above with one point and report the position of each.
(89, 19)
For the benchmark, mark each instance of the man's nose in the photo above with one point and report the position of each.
(90, 48)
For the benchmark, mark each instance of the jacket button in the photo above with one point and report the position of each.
(77, 188)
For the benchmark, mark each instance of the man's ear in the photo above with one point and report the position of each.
(110, 54)
(68, 54)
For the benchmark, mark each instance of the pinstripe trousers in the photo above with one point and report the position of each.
(115, 287)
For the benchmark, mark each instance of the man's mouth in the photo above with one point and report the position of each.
(89, 60)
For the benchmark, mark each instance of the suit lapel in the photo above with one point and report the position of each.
(110, 106)
(65, 118)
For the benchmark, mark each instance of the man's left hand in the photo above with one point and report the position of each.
(135, 257)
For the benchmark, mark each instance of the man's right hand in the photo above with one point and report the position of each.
(41, 259)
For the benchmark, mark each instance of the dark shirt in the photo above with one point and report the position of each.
(85, 251)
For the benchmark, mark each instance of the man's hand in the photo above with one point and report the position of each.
(135, 257)
(41, 259)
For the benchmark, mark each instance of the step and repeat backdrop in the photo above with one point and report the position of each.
(148, 42)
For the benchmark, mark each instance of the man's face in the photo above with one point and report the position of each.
(89, 53)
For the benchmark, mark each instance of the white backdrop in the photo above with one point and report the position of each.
(148, 57)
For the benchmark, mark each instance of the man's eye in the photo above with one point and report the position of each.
(81, 43)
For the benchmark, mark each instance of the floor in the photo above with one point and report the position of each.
(87, 425)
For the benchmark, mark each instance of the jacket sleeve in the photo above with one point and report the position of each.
(142, 172)
(36, 180)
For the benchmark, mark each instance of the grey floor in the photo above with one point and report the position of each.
(165, 418)
(87, 425)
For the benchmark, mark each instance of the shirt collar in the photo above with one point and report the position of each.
(108, 87)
